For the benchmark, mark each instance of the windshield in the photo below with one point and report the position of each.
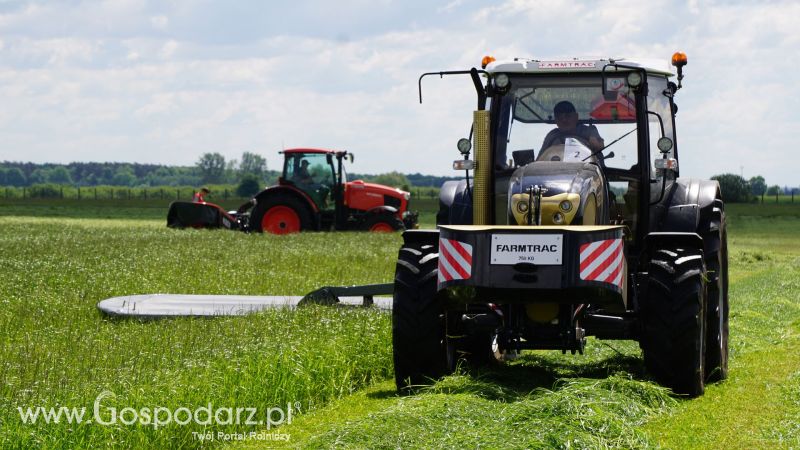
(543, 113)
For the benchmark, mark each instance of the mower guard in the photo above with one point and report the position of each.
(200, 215)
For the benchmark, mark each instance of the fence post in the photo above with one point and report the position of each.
(79, 192)
(177, 194)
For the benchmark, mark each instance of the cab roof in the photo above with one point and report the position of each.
(308, 150)
(573, 65)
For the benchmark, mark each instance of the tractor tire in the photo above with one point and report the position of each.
(280, 215)
(673, 316)
(384, 222)
(417, 318)
(715, 238)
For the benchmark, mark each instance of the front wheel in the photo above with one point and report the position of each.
(418, 328)
(673, 316)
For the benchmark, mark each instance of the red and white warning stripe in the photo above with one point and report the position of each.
(455, 260)
(603, 261)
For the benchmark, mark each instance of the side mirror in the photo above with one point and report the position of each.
(350, 157)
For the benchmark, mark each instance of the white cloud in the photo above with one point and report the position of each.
(159, 22)
(168, 49)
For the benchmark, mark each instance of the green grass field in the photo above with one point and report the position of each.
(332, 366)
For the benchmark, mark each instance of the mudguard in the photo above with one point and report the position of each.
(455, 204)
(688, 204)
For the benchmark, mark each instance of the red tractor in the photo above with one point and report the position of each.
(313, 194)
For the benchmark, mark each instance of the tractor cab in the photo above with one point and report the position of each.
(313, 172)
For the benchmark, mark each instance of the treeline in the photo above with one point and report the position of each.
(736, 189)
(18, 174)
(211, 168)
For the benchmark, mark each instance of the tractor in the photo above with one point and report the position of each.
(574, 222)
(313, 194)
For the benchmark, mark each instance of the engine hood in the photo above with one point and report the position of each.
(572, 187)
(377, 189)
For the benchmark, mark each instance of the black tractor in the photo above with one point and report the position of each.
(572, 221)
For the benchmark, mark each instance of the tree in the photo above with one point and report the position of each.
(252, 164)
(734, 188)
(249, 186)
(774, 190)
(212, 167)
(394, 179)
(124, 177)
(39, 176)
(59, 175)
(15, 177)
(758, 186)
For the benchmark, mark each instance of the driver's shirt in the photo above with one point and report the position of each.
(556, 136)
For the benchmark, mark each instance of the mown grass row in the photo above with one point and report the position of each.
(56, 349)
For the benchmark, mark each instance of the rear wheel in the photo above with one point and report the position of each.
(716, 258)
(384, 222)
(417, 318)
(674, 320)
(280, 215)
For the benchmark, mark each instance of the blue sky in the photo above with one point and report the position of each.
(165, 81)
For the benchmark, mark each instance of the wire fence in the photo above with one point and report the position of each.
(50, 191)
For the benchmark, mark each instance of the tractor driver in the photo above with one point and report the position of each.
(567, 126)
(302, 175)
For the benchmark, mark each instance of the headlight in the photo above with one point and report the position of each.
(522, 207)
(501, 80)
(407, 195)
(565, 206)
(634, 79)
(558, 218)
